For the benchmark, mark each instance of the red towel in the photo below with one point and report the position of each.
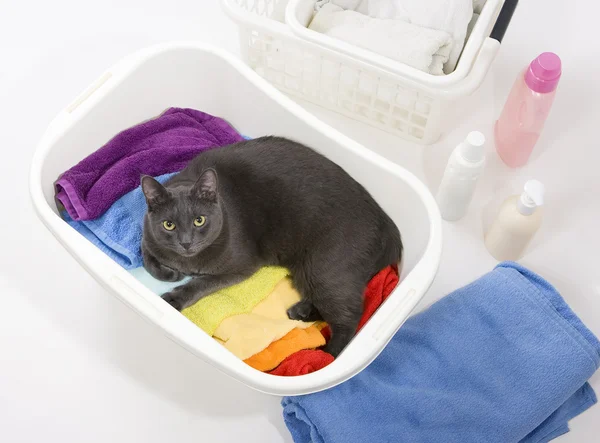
(307, 361)
(303, 362)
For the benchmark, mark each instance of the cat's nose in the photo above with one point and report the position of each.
(185, 245)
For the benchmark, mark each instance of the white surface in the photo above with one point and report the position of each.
(77, 365)
(146, 83)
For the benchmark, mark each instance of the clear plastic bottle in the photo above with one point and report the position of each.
(526, 109)
(518, 220)
(460, 177)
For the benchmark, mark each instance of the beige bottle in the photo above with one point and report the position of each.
(517, 222)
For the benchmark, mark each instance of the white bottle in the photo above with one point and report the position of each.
(517, 222)
(460, 177)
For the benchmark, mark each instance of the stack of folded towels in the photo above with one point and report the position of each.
(102, 199)
(428, 35)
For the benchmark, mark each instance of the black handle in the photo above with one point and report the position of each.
(506, 13)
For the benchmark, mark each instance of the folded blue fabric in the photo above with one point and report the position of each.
(118, 232)
(503, 359)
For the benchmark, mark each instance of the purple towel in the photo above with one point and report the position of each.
(159, 146)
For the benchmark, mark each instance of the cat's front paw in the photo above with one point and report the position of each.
(168, 274)
(163, 273)
(175, 298)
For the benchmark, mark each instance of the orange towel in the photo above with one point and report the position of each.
(294, 341)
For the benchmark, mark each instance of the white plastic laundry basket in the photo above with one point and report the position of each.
(355, 82)
(192, 75)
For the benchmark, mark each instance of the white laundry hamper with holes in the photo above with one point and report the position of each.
(383, 93)
(197, 76)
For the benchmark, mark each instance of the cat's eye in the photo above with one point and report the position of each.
(168, 225)
(199, 221)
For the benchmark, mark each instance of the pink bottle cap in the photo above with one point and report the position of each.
(544, 73)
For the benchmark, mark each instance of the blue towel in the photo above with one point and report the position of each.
(118, 232)
(503, 359)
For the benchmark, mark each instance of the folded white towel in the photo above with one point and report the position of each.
(451, 16)
(417, 46)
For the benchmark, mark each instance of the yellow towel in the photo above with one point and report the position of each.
(294, 341)
(248, 334)
(210, 311)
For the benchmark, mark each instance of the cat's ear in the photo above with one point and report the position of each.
(207, 185)
(155, 192)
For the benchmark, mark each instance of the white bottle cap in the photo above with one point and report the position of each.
(472, 148)
(531, 198)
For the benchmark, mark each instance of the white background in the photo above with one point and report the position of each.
(76, 365)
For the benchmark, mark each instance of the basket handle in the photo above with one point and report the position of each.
(504, 19)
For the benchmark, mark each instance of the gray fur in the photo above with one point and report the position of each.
(270, 201)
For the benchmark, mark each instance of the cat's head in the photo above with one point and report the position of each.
(184, 219)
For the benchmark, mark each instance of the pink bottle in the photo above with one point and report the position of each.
(526, 109)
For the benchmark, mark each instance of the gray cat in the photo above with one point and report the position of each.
(269, 201)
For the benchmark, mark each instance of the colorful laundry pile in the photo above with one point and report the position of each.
(250, 319)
